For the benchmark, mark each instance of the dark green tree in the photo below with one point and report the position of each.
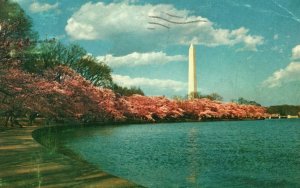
(95, 71)
(51, 53)
(124, 91)
(16, 35)
(214, 97)
(284, 110)
(242, 100)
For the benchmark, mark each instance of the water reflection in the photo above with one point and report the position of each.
(232, 154)
(192, 151)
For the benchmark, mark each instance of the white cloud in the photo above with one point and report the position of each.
(278, 49)
(59, 37)
(117, 21)
(146, 82)
(275, 37)
(137, 59)
(296, 52)
(247, 5)
(289, 74)
(37, 7)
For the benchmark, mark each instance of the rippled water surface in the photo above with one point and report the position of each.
(206, 154)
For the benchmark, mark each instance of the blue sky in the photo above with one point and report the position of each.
(245, 48)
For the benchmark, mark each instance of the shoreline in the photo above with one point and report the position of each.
(30, 163)
(27, 163)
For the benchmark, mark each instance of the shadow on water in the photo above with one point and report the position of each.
(25, 163)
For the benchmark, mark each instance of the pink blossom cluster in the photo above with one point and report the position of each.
(62, 93)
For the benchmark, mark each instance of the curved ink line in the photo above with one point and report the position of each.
(151, 28)
(188, 22)
(159, 24)
(174, 16)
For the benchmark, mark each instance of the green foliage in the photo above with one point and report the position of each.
(194, 95)
(178, 98)
(51, 53)
(18, 23)
(241, 100)
(124, 91)
(16, 35)
(212, 96)
(95, 71)
(284, 110)
(18, 41)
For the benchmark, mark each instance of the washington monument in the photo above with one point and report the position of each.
(192, 90)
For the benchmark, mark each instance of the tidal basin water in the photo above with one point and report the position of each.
(205, 154)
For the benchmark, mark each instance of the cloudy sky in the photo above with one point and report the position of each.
(245, 48)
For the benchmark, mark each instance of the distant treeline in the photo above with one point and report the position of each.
(284, 110)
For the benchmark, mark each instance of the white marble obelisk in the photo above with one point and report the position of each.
(192, 90)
